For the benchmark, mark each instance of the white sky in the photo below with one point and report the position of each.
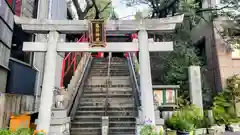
(123, 11)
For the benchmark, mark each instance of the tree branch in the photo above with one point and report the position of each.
(97, 10)
(106, 6)
(212, 9)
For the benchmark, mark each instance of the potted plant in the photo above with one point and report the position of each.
(183, 126)
(201, 126)
(170, 124)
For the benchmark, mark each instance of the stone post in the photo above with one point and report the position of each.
(195, 86)
(145, 79)
(46, 102)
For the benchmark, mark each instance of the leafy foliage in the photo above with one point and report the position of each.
(184, 119)
(231, 8)
(224, 103)
(148, 130)
(22, 131)
(187, 118)
(100, 8)
(203, 123)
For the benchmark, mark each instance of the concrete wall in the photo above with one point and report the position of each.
(228, 66)
(3, 79)
(220, 64)
(204, 31)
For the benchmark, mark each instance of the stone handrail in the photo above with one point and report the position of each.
(69, 95)
(73, 104)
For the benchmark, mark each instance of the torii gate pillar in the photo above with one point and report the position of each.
(48, 83)
(145, 84)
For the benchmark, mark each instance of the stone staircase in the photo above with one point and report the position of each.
(121, 110)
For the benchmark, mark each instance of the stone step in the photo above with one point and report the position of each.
(111, 99)
(107, 59)
(98, 69)
(100, 74)
(111, 129)
(101, 69)
(112, 67)
(94, 118)
(106, 62)
(111, 89)
(110, 108)
(107, 94)
(109, 113)
(117, 72)
(111, 72)
(111, 103)
(106, 65)
(111, 77)
(103, 81)
(105, 86)
(97, 131)
(99, 123)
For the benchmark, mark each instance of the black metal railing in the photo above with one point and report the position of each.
(134, 73)
(108, 83)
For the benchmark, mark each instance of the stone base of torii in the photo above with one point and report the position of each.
(143, 45)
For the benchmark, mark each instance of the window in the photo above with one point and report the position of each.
(19, 37)
(4, 55)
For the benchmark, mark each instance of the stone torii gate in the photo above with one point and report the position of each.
(52, 46)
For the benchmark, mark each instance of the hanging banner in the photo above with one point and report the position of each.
(97, 33)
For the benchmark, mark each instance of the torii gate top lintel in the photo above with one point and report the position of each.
(80, 26)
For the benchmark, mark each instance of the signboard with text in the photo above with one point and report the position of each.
(97, 33)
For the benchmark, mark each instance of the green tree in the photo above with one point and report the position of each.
(173, 66)
(100, 9)
(96, 9)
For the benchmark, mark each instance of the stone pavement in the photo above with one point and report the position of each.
(232, 133)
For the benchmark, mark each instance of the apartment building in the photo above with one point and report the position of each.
(6, 32)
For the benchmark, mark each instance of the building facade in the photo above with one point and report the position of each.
(6, 27)
(22, 72)
(222, 61)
